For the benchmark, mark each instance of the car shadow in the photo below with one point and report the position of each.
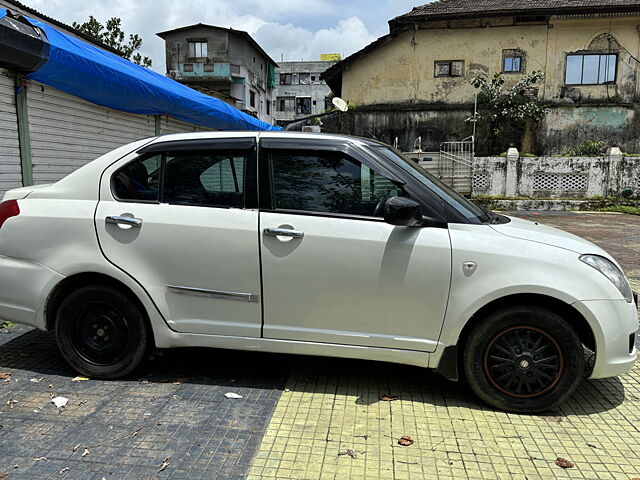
(361, 381)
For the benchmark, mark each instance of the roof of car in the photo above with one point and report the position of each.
(266, 134)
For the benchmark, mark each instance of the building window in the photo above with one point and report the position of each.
(512, 64)
(303, 105)
(198, 49)
(188, 67)
(252, 99)
(313, 78)
(285, 79)
(328, 104)
(208, 67)
(286, 104)
(591, 69)
(268, 108)
(304, 78)
(449, 68)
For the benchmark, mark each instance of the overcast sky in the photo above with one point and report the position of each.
(293, 29)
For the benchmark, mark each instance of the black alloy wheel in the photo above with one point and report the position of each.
(523, 362)
(523, 358)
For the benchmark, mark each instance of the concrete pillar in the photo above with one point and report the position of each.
(614, 179)
(511, 178)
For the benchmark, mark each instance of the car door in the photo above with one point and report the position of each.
(333, 270)
(180, 219)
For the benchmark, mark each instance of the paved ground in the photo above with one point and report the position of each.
(308, 418)
(174, 410)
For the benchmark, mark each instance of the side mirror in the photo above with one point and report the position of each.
(403, 211)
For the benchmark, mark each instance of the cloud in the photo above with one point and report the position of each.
(295, 43)
(292, 28)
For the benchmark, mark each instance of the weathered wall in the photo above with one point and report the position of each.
(403, 70)
(556, 177)
(563, 128)
(567, 126)
(316, 88)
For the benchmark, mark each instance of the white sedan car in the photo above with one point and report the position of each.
(307, 244)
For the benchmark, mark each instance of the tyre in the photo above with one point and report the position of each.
(101, 332)
(523, 359)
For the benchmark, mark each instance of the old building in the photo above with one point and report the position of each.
(225, 63)
(300, 91)
(416, 81)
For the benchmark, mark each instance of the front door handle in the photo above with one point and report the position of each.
(130, 221)
(283, 232)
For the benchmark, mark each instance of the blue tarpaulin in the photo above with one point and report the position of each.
(103, 78)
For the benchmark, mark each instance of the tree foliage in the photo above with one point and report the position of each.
(507, 107)
(111, 34)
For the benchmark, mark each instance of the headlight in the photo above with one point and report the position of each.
(613, 273)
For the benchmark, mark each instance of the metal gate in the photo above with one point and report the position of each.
(456, 164)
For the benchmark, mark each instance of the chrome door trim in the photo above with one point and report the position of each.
(283, 232)
(202, 292)
(120, 220)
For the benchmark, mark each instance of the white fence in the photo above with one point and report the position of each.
(556, 177)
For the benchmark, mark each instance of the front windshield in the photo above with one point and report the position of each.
(469, 210)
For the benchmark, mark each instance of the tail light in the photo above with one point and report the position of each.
(8, 209)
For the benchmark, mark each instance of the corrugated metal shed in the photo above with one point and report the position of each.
(67, 132)
(10, 172)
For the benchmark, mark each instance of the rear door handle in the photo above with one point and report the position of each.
(283, 232)
(130, 221)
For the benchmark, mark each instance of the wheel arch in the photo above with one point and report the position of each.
(575, 318)
(69, 284)
(451, 358)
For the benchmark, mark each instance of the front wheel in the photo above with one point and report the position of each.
(101, 332)
(523, 359)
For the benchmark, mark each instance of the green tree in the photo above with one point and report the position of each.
(513, 107)
(111, 34)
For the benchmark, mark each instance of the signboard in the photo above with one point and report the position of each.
(330, 57)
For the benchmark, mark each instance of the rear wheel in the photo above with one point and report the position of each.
(101, 332)
(523, 359)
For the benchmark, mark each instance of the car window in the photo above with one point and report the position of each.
(199, 179)
(139, 180)
(328, 182)
(203, 179)
(226, 175)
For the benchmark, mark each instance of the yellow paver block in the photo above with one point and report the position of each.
(331, 424)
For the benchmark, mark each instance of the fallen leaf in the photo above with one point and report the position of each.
(63, 470)
(5, 376)
(75, 448)
(180, 381)
(36, 380)
(39, 459)
(80, 379)
(17, 465)
(552, 418)
(388, 398)
(564, 463)
(85, 453)
(60, 402)
(348, 452)
(232, 395)
(591, 445)
(3, 476)
(405, 441)
(165, 464)
(11, 402)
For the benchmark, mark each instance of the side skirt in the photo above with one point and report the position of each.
(169, 339)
